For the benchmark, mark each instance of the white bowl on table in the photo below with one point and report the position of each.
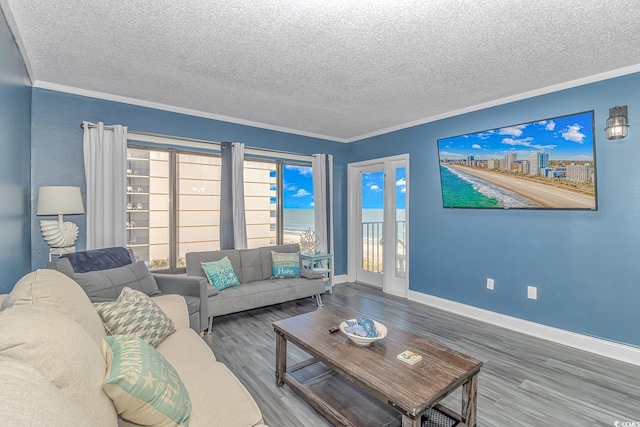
(364, 341)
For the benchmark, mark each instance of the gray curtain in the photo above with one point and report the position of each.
(233, 225)
(322, 167)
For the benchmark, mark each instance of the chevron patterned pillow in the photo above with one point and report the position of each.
(134, 313)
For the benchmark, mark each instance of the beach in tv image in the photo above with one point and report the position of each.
(543, 164)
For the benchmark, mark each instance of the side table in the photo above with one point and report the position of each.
(320, 263)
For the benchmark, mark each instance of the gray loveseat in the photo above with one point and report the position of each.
(102, 273)
(257, 289)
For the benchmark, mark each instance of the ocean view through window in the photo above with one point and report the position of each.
(298, 212)
(373, 220)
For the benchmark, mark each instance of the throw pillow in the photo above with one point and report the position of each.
(144, 387)
(134, 313)
(285, 264)
(220, 273)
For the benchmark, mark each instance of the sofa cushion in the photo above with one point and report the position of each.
(251, 265)
(144, 387)
(50, 288)
(62, 352)
(285, 265)
(106, 285)
(262, 293)
(216, 394)
(194, 261)
(220, 273)
(185, 350)
(134, 313)
(37, 402)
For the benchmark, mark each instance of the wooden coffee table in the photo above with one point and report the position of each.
(347, 383)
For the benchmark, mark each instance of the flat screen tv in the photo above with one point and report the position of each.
(544, 164)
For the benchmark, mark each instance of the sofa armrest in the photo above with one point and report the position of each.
(175, 307)
(177, 284)
(189, 286)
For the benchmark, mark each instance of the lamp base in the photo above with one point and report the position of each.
(59, 234)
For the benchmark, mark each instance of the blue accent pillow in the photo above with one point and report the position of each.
(220, 273)
(285, 264)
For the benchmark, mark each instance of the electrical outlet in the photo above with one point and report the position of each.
(490, 283)
(532, 292)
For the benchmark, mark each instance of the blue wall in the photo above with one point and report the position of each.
(15, 152)
(57, 150)
(586, 264)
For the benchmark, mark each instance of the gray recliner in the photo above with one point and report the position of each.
(103, 273)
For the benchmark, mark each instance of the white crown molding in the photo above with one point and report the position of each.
(613, 350)
(519, 97)
(196, 113)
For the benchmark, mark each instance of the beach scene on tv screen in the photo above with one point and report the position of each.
(544, 164)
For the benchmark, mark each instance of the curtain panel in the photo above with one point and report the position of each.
(233, 224)
(322, 168)
(105, 165)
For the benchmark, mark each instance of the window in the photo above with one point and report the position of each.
(173, 203)
(147, 209)
(260, 203)
(198, 208)
(298, 201)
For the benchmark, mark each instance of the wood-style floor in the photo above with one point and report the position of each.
(525, 381)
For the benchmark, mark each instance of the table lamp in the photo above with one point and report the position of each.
(59, 200)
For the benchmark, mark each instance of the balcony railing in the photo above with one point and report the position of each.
(373, 250)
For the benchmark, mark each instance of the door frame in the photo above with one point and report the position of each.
(353, 193)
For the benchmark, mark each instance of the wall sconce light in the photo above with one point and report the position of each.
(57, 200)
(617, 123)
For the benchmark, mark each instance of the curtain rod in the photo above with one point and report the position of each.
(201, 141)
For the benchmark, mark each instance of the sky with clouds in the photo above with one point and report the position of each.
(298, 188)
(373, 189)
(564, 138)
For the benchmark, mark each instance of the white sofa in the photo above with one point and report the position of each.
(52, 369)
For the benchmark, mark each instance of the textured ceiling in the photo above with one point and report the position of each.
(332, 68)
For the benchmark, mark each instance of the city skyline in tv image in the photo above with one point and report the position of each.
(543, 164)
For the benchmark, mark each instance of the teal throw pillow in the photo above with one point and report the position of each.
(144, 387)
(220, 273)
(285, 264)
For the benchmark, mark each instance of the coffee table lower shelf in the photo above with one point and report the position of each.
(344, 403)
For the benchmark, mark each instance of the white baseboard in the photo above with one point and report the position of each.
(339, 278)
(624, 353)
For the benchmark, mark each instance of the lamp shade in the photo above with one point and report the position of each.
(59, 200)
